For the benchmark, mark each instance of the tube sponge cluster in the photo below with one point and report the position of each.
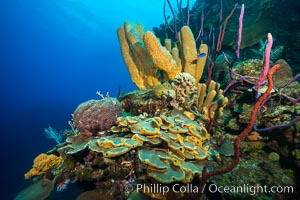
(150, 64)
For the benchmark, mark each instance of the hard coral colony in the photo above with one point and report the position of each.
(173, 127)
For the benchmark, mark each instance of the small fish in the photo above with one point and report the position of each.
(201, 55)
(194, 62)
(203, 37)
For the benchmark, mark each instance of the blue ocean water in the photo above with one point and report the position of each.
(54, 55)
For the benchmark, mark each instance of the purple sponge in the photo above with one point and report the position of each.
(97, 115)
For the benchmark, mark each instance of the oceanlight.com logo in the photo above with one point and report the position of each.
(251, 189)
(212, 188)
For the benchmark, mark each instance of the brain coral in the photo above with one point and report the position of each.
(184, 92)
(97, 115)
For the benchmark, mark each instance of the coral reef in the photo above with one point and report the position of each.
(251, 68)
(170, 148)
(256, 168)
(277, 111)
(178, 132)
(182, 94)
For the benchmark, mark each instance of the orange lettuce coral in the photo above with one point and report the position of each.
(42, 163)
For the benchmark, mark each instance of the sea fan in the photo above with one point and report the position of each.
(54, 134)
(276, 53)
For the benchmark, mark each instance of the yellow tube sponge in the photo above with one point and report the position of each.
(209, 98)
(168, 44)
(211, 101)
(141, 68)
(201, 93)
(175, 55)
(203, 51)
(145, 65)
(128, 59)
(222, 104)
(189, 50)
(42, 163)
(161, 57)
